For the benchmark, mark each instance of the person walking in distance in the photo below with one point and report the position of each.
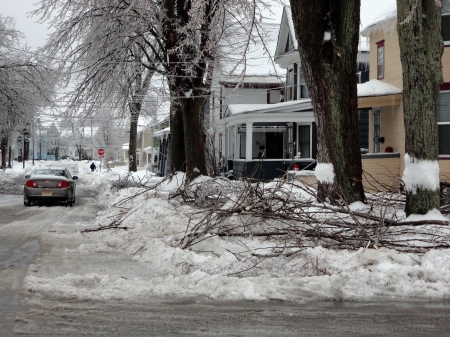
(92, 166)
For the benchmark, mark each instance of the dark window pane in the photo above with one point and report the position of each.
(444, 107)
(445, 27)
(304, 141)
(444, 139)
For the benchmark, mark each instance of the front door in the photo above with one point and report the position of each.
(376, 130)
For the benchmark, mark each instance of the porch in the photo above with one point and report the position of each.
(266, 140)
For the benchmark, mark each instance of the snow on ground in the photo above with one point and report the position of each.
(144, 261)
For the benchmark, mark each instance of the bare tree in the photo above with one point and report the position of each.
(56, 143)
(25, 86)
(179, 39)
(115, 71)
(327, 32)
(421, 47)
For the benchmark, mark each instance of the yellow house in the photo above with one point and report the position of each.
(386, 126)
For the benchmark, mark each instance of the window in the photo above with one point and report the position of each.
(304, 141)
(444, 123)
(445, 28)
(290, 85)
(304, 93)
(287, 47)
(380, 60)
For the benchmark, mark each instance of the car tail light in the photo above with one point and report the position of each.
(31, 183)
(62, 184)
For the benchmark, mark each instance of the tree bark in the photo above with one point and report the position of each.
(3, 148)
(188, 141)
(194, 136)
(177, 135)
(421, 48)
(134, 113)
(330, 72)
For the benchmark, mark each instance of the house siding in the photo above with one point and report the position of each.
(381, 170)
(392, 124)
(392, 65)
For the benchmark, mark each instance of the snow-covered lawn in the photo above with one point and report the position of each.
(145, 260)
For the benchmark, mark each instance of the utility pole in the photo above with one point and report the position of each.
(92, 143)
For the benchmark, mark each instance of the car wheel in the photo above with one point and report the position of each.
(70, 203)
(26, 203)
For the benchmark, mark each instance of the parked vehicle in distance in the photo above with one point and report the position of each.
(50, 184)
(66, 158)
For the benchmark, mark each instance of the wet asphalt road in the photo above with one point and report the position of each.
(20, 230)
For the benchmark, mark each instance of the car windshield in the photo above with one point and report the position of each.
(49, 172)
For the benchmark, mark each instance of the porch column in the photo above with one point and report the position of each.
(248, 142)
(227, 143)
(236, 154)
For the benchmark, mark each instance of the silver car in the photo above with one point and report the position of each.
(50, 184)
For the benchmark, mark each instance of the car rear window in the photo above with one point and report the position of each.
(50, 172)
(42, 172)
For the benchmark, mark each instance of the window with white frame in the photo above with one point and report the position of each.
(290, 84)
(304, 141)
(444, 123)
(380, 60)
(304, 93)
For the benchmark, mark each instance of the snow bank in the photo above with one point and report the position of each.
(145, 261)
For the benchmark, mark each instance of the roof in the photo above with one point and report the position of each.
(292, 106)
(162, 132)
(377, 88)
(258, 57)
(252, 81)
(386, 21)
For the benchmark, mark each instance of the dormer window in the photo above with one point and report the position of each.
(288, 43)
(380, 60)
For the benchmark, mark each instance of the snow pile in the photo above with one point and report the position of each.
(145, 260)
(422, 174)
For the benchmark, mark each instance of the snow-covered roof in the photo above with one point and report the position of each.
(126, 146)
(148, 149)
(162, 132)
(377, 88)
(386, 21)
(292, 106)
(258, 58)
(254, 79)
(290, 23)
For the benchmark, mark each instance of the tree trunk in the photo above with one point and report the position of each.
(177, 136)
(419, 31)
(132, 163)
(329, 65)
(3, 148)
(194, 136)
(26, 146)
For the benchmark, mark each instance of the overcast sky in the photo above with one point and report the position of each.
(36, 33)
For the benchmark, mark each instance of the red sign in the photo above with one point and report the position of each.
(101, 152)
